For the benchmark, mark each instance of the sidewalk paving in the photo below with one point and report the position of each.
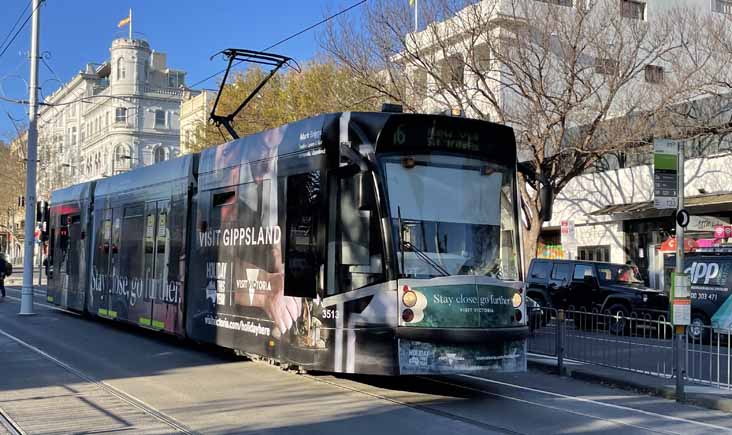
(43, 397)
(701, 395)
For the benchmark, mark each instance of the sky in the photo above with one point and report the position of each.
(76, 32)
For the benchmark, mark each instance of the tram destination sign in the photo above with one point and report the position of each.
(426, 133)
(665, 175)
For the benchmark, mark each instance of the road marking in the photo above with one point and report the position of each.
(595, 402)
(129, 399)
(555, 408)
(418, 407)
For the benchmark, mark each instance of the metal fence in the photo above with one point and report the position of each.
(635, 343)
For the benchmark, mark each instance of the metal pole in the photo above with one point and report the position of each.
(26, 295)
(680, 330)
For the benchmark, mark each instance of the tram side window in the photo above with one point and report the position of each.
(359, 237)
(133, 227)
(304, 205)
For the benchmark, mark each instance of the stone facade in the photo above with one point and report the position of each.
(194, 112)
(110, 117)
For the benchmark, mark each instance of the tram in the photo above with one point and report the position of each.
(377, 243)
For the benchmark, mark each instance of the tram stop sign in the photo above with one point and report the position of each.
(682, 218)
(681, 300)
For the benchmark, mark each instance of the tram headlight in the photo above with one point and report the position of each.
(409, 299)
(517, 300)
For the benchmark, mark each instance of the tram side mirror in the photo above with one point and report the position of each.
(364, 192)
(546, 193)
(546, 199)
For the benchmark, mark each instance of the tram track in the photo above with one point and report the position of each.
(9, 424)
(422, 408)
(126, 398)
(458, 383)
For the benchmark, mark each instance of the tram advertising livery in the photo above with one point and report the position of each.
(381, 243)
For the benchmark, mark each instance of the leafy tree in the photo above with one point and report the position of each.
(575, 79)
(321, 87)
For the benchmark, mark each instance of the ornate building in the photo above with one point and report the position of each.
(110, 117)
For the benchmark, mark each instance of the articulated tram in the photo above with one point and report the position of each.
(379, 243)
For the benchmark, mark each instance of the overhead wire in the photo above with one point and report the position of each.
(294, 35)
(21, 28)
(10, 32)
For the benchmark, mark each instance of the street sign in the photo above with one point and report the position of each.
(665, 176)
(681, 299)
(682, 312)
(569, 241)
(682, 218)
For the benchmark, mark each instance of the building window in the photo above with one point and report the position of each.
(145, 71)
(160, 154)
(73, 136)
(121, 73)
(120, 115)
(483, 58)
(159, 119)
(723, 6)
(175, 79)
(654, 74)
(594, 253)
(607, 67)
(557, 2)
(633, 9)
(452, 71)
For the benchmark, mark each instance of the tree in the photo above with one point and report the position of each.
(321, 87)
(575, 82)
(12, 168)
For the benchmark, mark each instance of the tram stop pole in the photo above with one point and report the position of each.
(681, 307)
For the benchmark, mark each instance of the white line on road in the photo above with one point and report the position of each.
(555, 408)
(595, 402)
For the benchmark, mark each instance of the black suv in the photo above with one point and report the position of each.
(594, 287)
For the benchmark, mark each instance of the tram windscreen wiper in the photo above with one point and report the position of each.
(419, 253)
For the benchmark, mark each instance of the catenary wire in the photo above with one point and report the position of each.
(21, 28)
(10, 32)
(294, 35)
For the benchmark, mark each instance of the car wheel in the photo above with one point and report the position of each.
(699, 330)
(618, 321)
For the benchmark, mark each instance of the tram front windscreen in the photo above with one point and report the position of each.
(453, 216)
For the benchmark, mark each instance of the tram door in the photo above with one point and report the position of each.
(72, 282)
(102, 272)
(163, 304)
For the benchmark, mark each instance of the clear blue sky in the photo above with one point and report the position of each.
(75, 32)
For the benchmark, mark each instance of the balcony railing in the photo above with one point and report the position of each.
(162, 91)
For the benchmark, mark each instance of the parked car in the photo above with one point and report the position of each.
(589, 286)
(710, 272)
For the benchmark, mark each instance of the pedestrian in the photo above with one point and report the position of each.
(4, 267)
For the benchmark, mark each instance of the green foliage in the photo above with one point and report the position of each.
(321, 87)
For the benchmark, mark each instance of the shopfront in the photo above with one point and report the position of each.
(650, 233)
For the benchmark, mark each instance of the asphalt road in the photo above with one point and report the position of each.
(211, 391)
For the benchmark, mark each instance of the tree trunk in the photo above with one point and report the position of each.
(531, 240)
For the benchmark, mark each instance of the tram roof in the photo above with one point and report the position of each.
(146, 176)
(430, 132)
(74, 193)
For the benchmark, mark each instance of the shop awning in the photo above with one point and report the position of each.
(696, 205)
